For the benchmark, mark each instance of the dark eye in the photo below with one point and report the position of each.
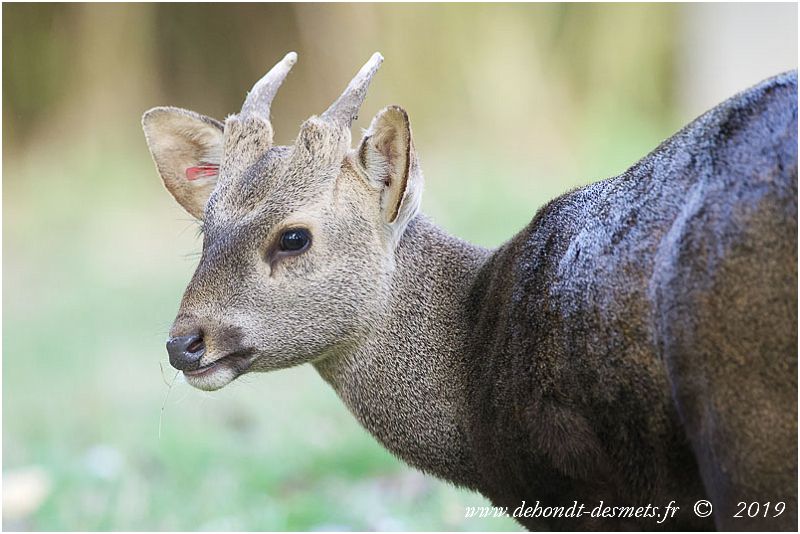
(295, 240)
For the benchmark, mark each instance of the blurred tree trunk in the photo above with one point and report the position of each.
(110, 76)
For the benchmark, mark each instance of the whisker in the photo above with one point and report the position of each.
(192, 223)
(163, 328)
(169, 384)
(186, 392)
(164, 404)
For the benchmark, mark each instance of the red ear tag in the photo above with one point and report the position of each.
(201, 171)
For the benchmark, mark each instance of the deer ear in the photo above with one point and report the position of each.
(187, 149)
(386, 154)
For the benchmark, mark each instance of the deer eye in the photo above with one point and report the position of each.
(295, 240)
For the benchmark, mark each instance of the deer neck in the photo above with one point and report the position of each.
(406, 382)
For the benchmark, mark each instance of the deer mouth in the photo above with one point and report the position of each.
(236, 362)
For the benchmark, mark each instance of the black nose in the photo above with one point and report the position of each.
(185, 351)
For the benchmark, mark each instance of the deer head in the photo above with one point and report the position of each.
(298, 241)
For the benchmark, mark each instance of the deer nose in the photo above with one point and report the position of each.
(185, 351)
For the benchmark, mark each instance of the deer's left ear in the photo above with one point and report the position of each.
(187, 149)
(386, 154)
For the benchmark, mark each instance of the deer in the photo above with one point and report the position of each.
(634, 345)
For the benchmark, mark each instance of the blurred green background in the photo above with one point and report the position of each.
(510, 104)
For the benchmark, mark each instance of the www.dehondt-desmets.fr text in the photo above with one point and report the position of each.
(701, 508)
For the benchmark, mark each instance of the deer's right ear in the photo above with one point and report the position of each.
(387, 156)
(187, 149)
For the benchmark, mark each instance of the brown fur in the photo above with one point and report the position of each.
(635, 344)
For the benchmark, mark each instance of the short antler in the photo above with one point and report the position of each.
(346, 107)
(259, 98)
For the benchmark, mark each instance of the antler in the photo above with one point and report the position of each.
(260, 97)
(345, 109)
